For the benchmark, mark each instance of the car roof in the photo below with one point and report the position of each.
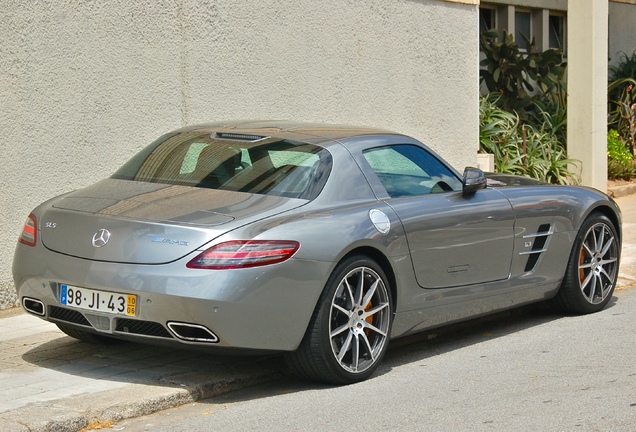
(317, 133)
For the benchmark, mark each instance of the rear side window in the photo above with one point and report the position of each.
(269, 166)
(408, 170)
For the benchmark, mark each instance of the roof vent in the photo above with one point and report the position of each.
(239, 137)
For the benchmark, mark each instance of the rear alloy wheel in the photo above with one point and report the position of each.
(592, 270)
(349, 331)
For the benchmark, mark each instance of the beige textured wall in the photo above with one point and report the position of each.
(85, 84)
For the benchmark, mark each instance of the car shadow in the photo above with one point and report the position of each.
(417, 347)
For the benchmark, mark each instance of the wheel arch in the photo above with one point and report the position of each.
(608, 212)
(384, 264)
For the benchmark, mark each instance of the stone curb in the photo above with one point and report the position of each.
(78, 412)
(621, 191)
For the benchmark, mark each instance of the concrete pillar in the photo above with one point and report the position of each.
(541, 28)
(587, 89)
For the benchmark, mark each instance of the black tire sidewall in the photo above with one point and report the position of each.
(322, 317)
(570, 296)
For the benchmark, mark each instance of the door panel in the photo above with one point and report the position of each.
(456, 239)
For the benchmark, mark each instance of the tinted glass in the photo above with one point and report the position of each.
(268, 166)
(407, 170)
(523, 24)
(556, 31)
(486, 19)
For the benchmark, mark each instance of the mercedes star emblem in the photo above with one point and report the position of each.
(101, 237)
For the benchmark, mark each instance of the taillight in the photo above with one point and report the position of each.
(29, 231)
(244, 253)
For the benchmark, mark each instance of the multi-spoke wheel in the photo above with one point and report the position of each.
(592, 270)
(349, 331)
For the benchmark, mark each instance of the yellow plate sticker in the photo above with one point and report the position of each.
(131, 309)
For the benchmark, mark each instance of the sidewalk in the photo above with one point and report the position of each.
(51, 382)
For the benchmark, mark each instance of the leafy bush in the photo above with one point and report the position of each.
(619, 159)
(529, 82)
(617, 171)
(622, 110)
(616, 149)
(621, 94)
(626, 67)
(523, 149)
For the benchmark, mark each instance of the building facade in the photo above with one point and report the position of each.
(546, 21)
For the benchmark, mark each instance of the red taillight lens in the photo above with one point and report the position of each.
(29, 231)
(244, 253)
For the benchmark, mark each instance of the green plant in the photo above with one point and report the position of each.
(526, 80)
(626, 67)
(621, 95)
(496, 126)
(622, 110)
(616, 149)
(618, 171)
(619, 159)
(523, 149)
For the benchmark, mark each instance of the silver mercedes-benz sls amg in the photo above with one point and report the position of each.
(320, 241)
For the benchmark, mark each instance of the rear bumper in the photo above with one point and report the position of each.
(266, 308)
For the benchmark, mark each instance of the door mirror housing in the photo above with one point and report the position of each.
(473, 180)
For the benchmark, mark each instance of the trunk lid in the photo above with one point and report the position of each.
(148, 223)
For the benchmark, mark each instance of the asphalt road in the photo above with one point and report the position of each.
(526, 370)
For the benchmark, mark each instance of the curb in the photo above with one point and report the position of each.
(621, 191)
(135, 400)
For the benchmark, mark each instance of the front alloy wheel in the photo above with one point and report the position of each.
(598, 263)
(592, 270)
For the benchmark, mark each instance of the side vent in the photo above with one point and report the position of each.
(539, 242)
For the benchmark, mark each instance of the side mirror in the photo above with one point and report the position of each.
(474, 179)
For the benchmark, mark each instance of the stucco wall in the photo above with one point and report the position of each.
(85, 84)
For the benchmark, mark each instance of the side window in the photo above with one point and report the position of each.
(408, 170)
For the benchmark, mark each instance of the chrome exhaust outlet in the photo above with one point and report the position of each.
(192, 332)
(36, 307)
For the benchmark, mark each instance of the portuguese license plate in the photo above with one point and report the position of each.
(101, 301)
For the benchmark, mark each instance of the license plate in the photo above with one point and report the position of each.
(101, 301)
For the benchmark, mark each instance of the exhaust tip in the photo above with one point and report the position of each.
(33, 306)
(192, 332)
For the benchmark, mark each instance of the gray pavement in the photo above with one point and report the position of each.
(51, 382)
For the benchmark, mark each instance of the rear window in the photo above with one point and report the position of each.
(267, 166)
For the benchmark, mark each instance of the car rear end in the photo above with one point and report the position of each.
(163, 251)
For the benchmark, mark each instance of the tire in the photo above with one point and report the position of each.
(85, 336)
(349, 331)
(592, 270)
